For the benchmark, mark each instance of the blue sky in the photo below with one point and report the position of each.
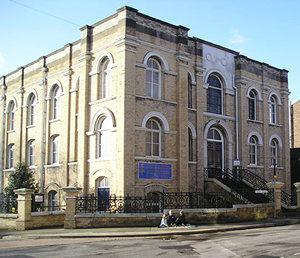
(264, 30)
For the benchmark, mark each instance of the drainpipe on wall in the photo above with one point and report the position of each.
(3, 134)
(236, 119)
(43, 132)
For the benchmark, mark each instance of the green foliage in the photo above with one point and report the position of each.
(22, 177)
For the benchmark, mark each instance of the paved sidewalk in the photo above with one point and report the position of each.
(141, 231)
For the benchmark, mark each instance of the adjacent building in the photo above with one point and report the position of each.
(136, 106)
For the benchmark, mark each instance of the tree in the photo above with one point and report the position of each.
(22, 177)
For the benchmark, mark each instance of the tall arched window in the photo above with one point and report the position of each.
(31, 109)
(11, 116)
(103, 137)
(252, 105)
(190, 92)
(190, 144)
(153, 138)
(31, 152)
(106, 78)
(53, 200)
(54, 152)
(214, 95)
(55, 102)
(273, 110)
(253, 148)
(215, 144)
(274, 152)
(10, 155)
(153, 78)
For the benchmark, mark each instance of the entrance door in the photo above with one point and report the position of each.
(214, 150)
(103, 194)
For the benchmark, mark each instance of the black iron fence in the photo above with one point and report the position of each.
(8, 204)
(154, 204)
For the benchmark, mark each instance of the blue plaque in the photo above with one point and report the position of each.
(159, 171)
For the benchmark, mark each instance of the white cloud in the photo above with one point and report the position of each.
(236, 38)
(1, 60)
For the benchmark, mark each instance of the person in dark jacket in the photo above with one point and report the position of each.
(180, 221)
(171, 220)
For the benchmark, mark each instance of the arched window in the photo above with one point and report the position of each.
(55, 102)
(153, 138)
(10, 155)
(273, 110)
(190, 144)
(153, 78)
(31, 109)
(31, 152)
(214, 95)
(54, 152)
(53, 200)
(215, 144)
(11, 116)
(190, 92)
(253, 148)
(106, 78)
(252, 105)
(103, 137)
(274, 152)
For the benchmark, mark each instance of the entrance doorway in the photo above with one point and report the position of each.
(215, 147)
(154, 203)
(103, 194)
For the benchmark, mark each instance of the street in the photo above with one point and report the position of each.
(264, 242)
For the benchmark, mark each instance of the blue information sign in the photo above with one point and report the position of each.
(155, 171)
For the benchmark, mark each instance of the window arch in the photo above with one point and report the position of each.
(31, 152)
(105, 78)
(11, 116)
(10, 155)
(153, 78)
(31, 109)
(273, 109)
(214, 95)
(252, 105)
(103, 137)
(253, 150)
(153, 138)
(55, 102)
(191, 152)
(53, 200)
(190, 91)
(274, 152)
(54, 149)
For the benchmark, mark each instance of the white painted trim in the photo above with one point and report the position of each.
(277, 97)
(193, 130)
(160, 57)
(192, 77)
(33, 91)
(154, 158)
(259, 97)
(58, 83)
(277, 137)
(231, 118)
(12, 99)
(258, 136)
(158, 115)
(102, 112)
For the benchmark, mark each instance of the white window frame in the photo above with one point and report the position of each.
(274, 152)
(31, 109)
(254, 99)
(253, 146)
(11, 116)
(10, 156)
(273, 109)
(103, 138)
(53, 200)
(153, 70)
(152, 131)
(55, 103)
(31, 152)
(54, 157)
(215, 88)
(106, 78)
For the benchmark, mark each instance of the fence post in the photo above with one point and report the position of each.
(297, 185)
(71, 195)
(276, 187)
(24, 220)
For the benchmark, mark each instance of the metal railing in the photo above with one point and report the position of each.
(8, 204)
(155, 204)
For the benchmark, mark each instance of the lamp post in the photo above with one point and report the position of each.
(274, 180)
